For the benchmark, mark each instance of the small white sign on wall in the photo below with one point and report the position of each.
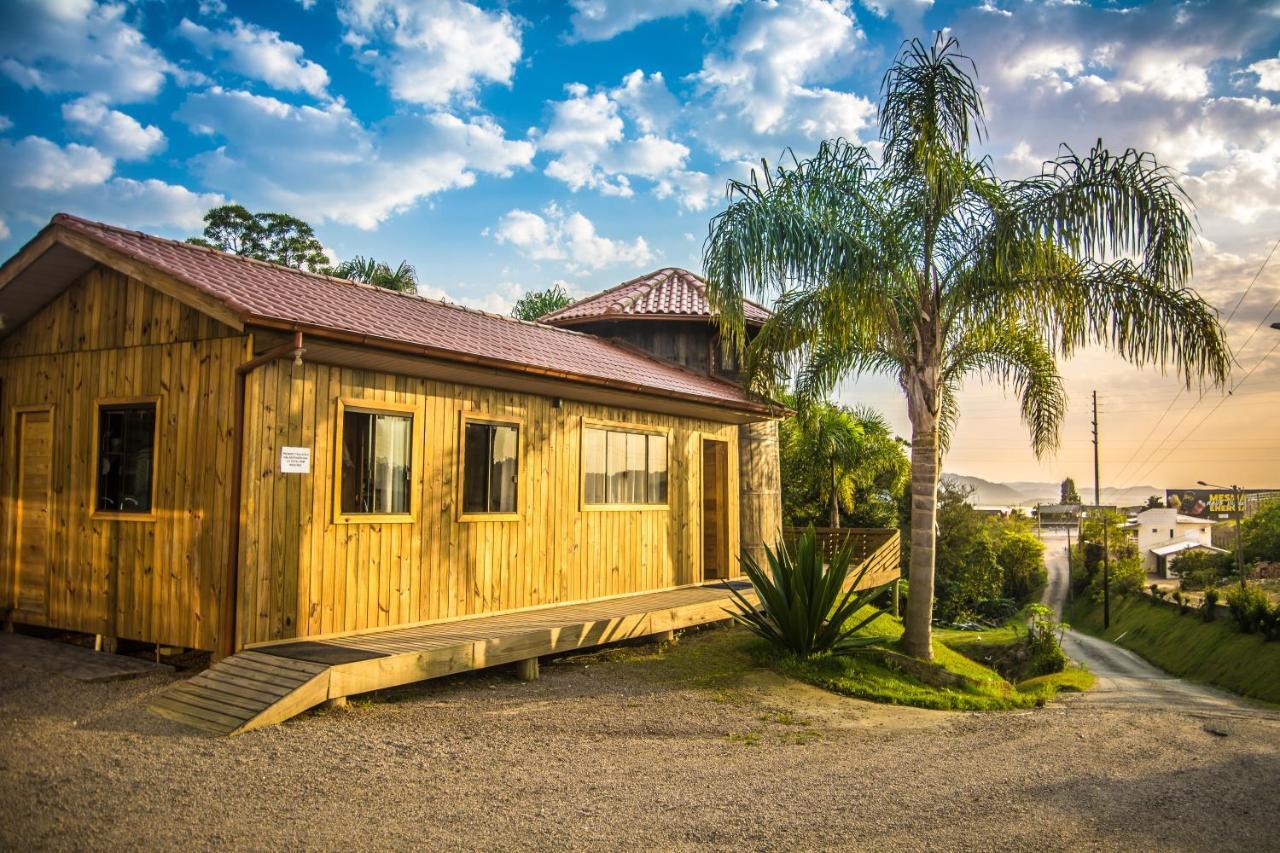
(295, 460)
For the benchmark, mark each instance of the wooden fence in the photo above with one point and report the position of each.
(879, 548)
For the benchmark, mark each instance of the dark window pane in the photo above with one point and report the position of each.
(126, 444)
(489, 468)
(475, 474)
(657, 469)
(376, 451)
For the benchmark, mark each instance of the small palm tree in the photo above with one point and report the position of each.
(402, 279)
(855, 448)
(922, 264)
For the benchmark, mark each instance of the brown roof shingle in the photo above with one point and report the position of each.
(264, 292)
(669, 293)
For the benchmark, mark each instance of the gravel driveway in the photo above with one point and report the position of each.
(625, 750)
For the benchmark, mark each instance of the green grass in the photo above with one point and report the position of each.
(718, 660)
(1183, 644)
(951, 682)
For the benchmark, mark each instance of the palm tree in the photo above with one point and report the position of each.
(402, 279)
(854, 449)
(923, 265)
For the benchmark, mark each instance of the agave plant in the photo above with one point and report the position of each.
(804, 607)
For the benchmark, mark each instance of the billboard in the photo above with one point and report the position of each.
(1215, 503)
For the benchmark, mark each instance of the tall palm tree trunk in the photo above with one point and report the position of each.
(835, 499)
(918, 636)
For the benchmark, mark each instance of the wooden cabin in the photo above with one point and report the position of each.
(336, 488)
(207, 451)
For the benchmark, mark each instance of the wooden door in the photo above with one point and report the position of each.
(31, 539)
(715, 509)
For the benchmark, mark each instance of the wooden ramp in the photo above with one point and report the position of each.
(271, 682)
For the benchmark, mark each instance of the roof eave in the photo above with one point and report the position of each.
(763, 410)
(622, 318)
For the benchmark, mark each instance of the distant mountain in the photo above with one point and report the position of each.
(1027, 493)
(987, 492)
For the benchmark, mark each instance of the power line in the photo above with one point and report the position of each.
(1181, 391)
(1217, 406)
(1256, 276)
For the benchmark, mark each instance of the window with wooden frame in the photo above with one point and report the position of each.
(373, 471)
(490, 465)
(125, 444)
(623, 467)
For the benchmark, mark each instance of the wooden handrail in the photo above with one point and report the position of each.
(878, 548)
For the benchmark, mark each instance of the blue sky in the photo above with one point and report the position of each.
(503, 147)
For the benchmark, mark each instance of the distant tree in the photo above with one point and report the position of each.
(1154, 502)
(1069, 493)
(275, 237)
(540, 303)
(402, 279)
(1260, 533)
(1020, 554)
(832, 455)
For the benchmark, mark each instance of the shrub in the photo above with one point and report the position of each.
(803, 606)
(1180, 600)
(1127, 575)
(997, 609)
(1210, 602)
(1202, 569)
(1271, 623)
(1045, 651)
(1250, 608)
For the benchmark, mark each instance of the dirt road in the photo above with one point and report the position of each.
(642, 750)
(1124, 678)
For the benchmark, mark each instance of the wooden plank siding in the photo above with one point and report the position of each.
(303, 574)
(110, 336)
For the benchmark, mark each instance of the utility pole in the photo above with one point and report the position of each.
(1106, 534)
(1236, 492)
(1069, 577)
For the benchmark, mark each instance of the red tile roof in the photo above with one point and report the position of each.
(669, 293)
(268, 293)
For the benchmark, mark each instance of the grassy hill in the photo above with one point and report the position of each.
(1183, 644)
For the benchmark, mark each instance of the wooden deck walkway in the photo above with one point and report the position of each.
(269, 683)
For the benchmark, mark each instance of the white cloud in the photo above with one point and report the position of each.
(212, 7)
(1268, 71)
(647, 101)
(588, 134)
(908, 13)
(35, 163)
(432, 53)
(258, 54)
(79, 46)
(598, 20)
(761, 91)
(4, 230)
(322, 161)
(554, 235)
(5, 123)
(1142, 79)
(39, 178)
(111, 131)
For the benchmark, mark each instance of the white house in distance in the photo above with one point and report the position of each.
(1163, 534)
